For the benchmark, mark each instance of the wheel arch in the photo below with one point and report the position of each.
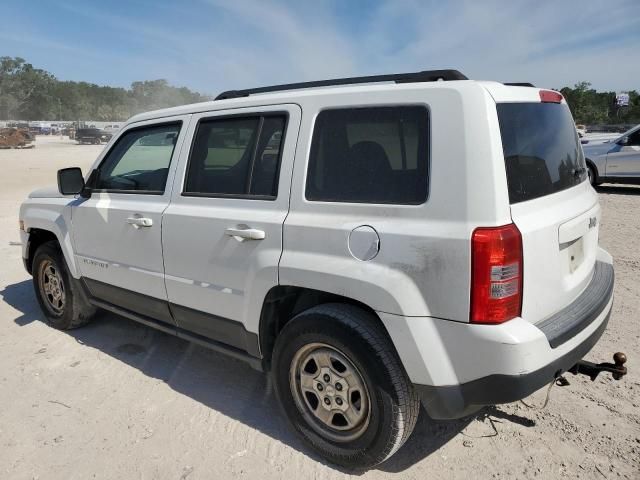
(37, 237)
(282, 303)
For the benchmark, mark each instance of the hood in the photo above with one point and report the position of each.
(47, 192)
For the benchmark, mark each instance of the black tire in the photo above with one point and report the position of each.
(593, 176)
(393, 404)
(97, 141)
(75, 310)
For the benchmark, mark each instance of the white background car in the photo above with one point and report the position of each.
(616, 160)
(373, 246)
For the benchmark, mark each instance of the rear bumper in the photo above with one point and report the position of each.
(455, 401)
(577, 316)
(459, 367)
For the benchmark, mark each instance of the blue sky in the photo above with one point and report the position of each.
(213, 45)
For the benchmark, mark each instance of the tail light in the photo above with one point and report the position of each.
(496, 274)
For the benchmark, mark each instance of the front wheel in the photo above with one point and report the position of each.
(60, 296)
(342, 385)
(593, 177)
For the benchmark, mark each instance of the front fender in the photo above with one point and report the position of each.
(51, 215)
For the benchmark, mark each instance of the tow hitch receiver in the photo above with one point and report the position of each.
(591, 370)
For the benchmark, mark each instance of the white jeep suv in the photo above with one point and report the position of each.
(376, 244)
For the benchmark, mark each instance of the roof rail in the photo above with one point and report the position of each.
(519, 84)
(413, 77)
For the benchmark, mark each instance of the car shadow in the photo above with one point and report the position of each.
(619, 189)
(211, 378)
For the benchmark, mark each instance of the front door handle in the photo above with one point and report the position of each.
(242, 234)
(138, 222)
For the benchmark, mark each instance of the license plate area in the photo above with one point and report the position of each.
(574, 252)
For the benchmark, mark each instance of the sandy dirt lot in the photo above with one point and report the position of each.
(117, 400)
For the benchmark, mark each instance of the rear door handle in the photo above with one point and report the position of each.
(138, 222)
(242, 234)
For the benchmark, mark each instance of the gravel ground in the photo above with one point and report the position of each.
(117, 400)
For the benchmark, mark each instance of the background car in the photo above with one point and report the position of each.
(92, 135)
(615, 161)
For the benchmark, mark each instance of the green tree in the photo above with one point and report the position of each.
(28, 93)
(589, 106)
(25, 91)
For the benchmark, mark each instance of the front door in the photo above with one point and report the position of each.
(222, 232)
(117, 232)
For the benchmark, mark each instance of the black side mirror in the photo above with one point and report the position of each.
(70, 181)
(623, 141)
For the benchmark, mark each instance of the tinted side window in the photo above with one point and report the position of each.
(140, 160)
(370, 155)
(634, 139)
(236, 156)
(264, 177)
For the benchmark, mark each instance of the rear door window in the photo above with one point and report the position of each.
(236, 156)
(370, 155)
(542, 152)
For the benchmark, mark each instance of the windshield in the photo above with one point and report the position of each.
(542, 152)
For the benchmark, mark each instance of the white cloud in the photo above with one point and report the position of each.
(212, 45)
(269, 43)
(547, 43)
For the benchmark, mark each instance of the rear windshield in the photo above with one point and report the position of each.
(541, 149)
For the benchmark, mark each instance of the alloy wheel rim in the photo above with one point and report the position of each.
(52, 287)
(330, 392)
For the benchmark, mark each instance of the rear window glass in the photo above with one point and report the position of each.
(542, 153)
(370, 155)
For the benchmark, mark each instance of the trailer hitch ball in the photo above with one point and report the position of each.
(619, 359)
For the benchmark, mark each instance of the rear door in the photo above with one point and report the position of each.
(222, 232)
(552, 203)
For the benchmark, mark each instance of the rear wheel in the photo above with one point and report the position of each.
(97, 141)
(328, 386)
(342, 385)
(60, 296)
